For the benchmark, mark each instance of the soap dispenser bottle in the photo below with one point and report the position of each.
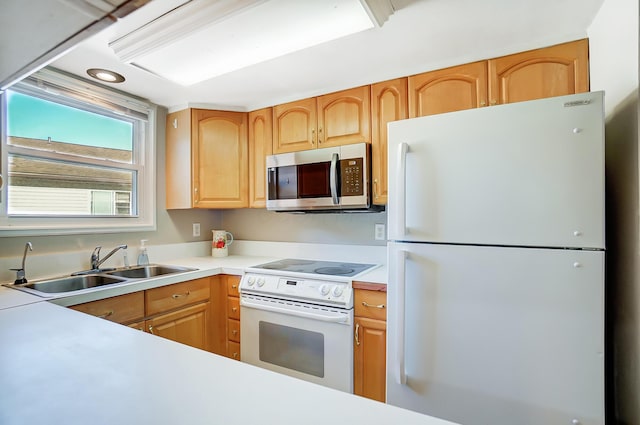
(143, 257)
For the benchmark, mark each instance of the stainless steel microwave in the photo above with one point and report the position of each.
(336, 179)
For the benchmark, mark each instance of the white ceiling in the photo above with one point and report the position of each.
(421, 35)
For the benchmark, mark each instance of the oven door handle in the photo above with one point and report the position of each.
(325, 318)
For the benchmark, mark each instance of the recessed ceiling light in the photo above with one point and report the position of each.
(105, 75)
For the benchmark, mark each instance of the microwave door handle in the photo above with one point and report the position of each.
(333, 178)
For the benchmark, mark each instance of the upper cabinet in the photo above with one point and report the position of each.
(388, 103)
(294, 126)
(207, 159)
(331, 120)
(552, 71)
(447, 90)
(260, 145)
(344, 117)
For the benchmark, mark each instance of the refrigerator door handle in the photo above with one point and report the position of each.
(401, 190)
(401, 376)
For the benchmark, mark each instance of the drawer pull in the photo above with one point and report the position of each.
(235, 332)
(373, 306)
(105, 315)
(151, 330)
(234, 286)
(234, 309)
(356, 334)
(176, 296)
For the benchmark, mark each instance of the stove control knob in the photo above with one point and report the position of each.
(251, 280)
(261, 282)
(337, 291)
(324, 289)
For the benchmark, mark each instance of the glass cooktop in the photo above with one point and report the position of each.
(334, 268)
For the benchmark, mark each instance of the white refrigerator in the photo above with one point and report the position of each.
(496, 263)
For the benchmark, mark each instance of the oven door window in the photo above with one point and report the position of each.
(292, 348)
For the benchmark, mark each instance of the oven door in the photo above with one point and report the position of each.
(305, 341)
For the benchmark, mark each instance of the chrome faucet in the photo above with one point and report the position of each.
(95, 256)
(21, 276)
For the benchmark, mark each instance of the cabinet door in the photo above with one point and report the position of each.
(260, 145)
(220, 148)
(447, 90)
(553, 71)
(388, 103)
(369, 358)
(344, 117)
(294, 126)
(188, 326)
(178, 164)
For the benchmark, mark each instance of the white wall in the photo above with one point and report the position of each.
(613, 45)
(262, 225)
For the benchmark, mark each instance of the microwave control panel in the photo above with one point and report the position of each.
(352, 177)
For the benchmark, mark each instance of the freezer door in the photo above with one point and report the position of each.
(496, 336)
(524, 174)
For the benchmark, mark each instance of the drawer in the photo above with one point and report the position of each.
(233, 308)
(372, 304)
(120, 309)
(167, 298)
(233, 283)
(233, 350)
(233, 330)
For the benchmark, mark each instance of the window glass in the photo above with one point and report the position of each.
(75, 157)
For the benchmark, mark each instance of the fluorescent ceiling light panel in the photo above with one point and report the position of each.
(206, 41)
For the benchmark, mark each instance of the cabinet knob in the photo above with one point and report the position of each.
(106, 314)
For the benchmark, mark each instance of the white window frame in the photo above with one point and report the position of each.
(96, 98)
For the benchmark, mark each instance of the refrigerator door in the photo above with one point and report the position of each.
(524, 174)
(495, 335)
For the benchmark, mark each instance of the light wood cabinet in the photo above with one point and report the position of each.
(388, 103)
(188, 325)
(260, 145)
(180, 312)
(294, 126)
(122, 309)
(344, 117)
(558, 70)
(233, 317)
(333, 119)
(207, 159)
(547, 72)
(171, 297)
(447, 90)
(370, 336)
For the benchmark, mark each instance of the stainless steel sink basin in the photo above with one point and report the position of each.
(97, 278)
(142, 272)
(71, 283)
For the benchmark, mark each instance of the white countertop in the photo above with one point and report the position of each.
(61, 366)
(206, 266)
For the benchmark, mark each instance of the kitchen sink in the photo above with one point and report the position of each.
(142, 272)
(71, 283)
(97, 278)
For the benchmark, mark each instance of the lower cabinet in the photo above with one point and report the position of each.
(179, 312)
(370, 338)
(189, 325)
(233, 317)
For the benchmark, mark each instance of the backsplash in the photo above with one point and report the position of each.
(263, 225)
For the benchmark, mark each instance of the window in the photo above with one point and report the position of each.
(76, 157)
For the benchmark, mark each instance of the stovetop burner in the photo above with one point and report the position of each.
(333, 268)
